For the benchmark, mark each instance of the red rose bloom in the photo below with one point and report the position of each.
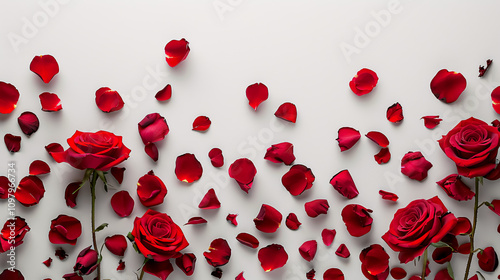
(157, 237)
(100, 150)
(473, 146)
(416, 226)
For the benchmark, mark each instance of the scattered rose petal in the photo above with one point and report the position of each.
(218, 253)
(5, 185)
(282, 152)
(13, 274)
(61, 254)
(248, 240)
(383, 156)
(343, 252)
(347, 138)
(12, 234)
(496, 206)
(328, 235)
(217, 273)
(379, 138)
(374, 262)
(316, 207)
(117, 173)
(311, 274)
(8, 98)
(54, 148)
(159, 269)
(122, 203)
(28, 122)
(298, 179)
(153, 128)
(121, 265)
(240, 277)
(71, 193)
(272, 257)
(210, 200)
(431, 121)
(116, 244)
(447, 86)
(232, 219)
(482, 69)
(487, 259)
(256, 94)
(45, 66)
(398, 273)
(48, 262)
(39, 167)
(196, 221)
(395, 113)
(72, 276)
(292, 222)
(287, 111)
(187, 168)
(443, 275)
(176, 51)
(152, 151)
(108, 100)
(415, 166)
(456, 188)
(344, 184)
(308, 250)
(268, 220)
(12, 142)
(186, 263)
(333, 274)
(164, 94)
(30, 191)
(151, 190)
(201, 123)
(462, 227)
(388, 195)
(357, 219)
(442, 255)
(364, 82)
(65, 230)
(50, 102)
(216, 157)
(495, 99)
(243, 171)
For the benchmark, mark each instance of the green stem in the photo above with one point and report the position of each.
(473, 232)
(92, 192)
(142, 274)
(424, 265)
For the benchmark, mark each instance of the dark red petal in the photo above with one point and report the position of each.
(415, 166)
(463, 226)
(39, 167)
(333, 274)
(495, 99)
(186, 263)
(12, 142)
(153, 128)
(13, 274)
(159, 269)
(447, 86)
(308, 250)
(364, 82)
(29, 191)
(256, 94)
(344, 184)
(240, 277)
(196, 221)
(292, 222)
(311, 274)
(272, 257)
(343, 252)
(398, 273)
(487, 259)
(209, 201)
(378, 138)
(72, 276)
(388, 195)
(28, 122)
(232, 219)
(71, 193)
(201, 123)
(164, 94)
(218, 253)
(287, 111)
(496, 206)
(176, 51)
(8, 98)
(395, 113)
(268, 220)
(187, 168)
(248, 240)
(5, 185)
(117, 173)
(152, 151)
(431, 121)
(108, 100)
(216, 157)
(482, 69)
(61, 254)
(298, 179)
(243, 171)
(54, 148)
(50, 102)
(48, 262)
(121, 265)
(217, 273)
(442, 255)
(316, 207)
(122, 203)
(442, 275)
(456, 188)
(328, 235)
(116, 244)
(64, 230)
(281, 152)
(383, 156)
(347, 138)
(45, 66)
(374, 262)
(357, 219)
(464, 248)
(151, 190)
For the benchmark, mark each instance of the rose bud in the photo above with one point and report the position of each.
(87, 261)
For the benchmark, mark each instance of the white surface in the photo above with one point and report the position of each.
(294, 47)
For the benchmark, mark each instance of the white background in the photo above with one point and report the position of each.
(295, 48)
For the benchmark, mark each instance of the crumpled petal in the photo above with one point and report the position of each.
(347, 137)
(151, 190)
(292, 222)
(364, 82)
(216, 157)
(456, 188)
(298, 179)
(395, 113)
(268, 220)
(196, 221)
(357, 219)
(308, 250)
(28, 122)
(316, 207)
(342, 251)
(287, 111)
(50, 102)
(280, 153)
(232, 219)
(488, 259)
(344, 184)
(186, 263)
(153, 128)
(218, 253)
(383, 156)
(12, 142)
(415, 166)
(71, 193)
(388, 195)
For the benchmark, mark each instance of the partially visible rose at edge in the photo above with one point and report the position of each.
(473, 145)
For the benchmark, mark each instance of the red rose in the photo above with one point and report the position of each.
(13, 233)
(87, 261)
(157, 237)
(100, 150)
(416, 226)
(473, 146)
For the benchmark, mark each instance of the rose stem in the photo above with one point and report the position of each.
(472, 233)
(142, 273)
(424, 266)
(92, 192)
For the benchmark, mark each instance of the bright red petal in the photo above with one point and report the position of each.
(272, 257)
(328, 235)
(45, 66)
(196, 221)
(378, 138)
(218, 253)
(495, 99)
(292, 222)
(343, 252)
(395, 113)
(201, 123)
(374, 262)
(415, 166)
(333, 274)
(28, 122)
(357, 219)
(316, 207)
(108, 100)
(347, 138)
(117, 173)
(456, 188)
(447, 86)
(122, 203)
(268, 220)
(164, 94)
(462, 227)
(344, 184)
(248, 240)
(383, 156)
(152, 151)
(12, 142)
(48, 262)
(187, 168)
(256, 94)
(159, 269)
(287, 111)
(232, 219)
(298, 179)
(8, 98)
(176, 51)
(308, 250)
(431, 121)
(216, 157)
(39, 167)
(151, 190)
(116, 244)
(71, 193)
(388, 195)
(153, 128)
(121, 265)
(364, 82)
(30, 191)
(186, 263)
(281, 152)
(50, 102)
(243, 171)
(240, 277)
(496, 206)
(209, 201)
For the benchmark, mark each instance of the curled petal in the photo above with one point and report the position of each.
(186, 263)
(316, 207)
(379, 138)
(50, 102)
(196, 221)
(201, 123)
(256, 94)
(415, 166)
(342, 251)
(308, 250)
(117, 173)
(456, 188)
(122, 203)
(333, 274)
(164, 94)
(159, 269)
(176, 51)
(45, 66)
(462, 227)
(287, 111)
(8, 98)
(218, 253)
(216, 157)
(495, 206)
(298, 179)
(153, 128)
(12, 142)
(388, 195)
(28, 122)
(61, 254)
(374, 262)
(268, 220)
(209, 201)
(282, 152)
(151, 190)
(187, 168)
(442, 255)
(232, 219)
(344, 184)
(447, 86)
(487, 259)
(328, 235)
(347, 138)
(431, 121)
(30, 191)
(383, 156)
(357, 219)
(116, 244)
(395, 113)
(292, 222)
(364, 82)
(108, 100)
(243, 171)
(48, 262)
(152, 151)
(248, 240)
(71, 193)
(65, 230)
(272, 257)
(39, 167)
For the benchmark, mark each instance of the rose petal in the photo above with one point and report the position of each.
(343, 252)
(8, 98)
(30, 191)
(14, 274)
(201, 123)
(243, 171)
(61, 254)
(415, 166)
(121, 265)
(442, 255)
(216, 157)
(456, 188)
(487, 259)
(398, 273)
(45, 66)
(431, 121)
(108, 100)
(72, 276)
(116, 244)
(5, 185)
(316, 207)
(308, 250)
(462, 227)
(39, 167)
(328, 235)
(383, 156)
(347, 138)
(482, 69)
(298, 179)
(379, 138)
(357, 219)
(268, 220)
(12, 142)
(54, 148)
(443, 275)
(447, 86)
(256, 94)
(122, 203)
(311, 274)
(218, 253)
(287, 111)
(187, 168)
(344, 184)
(464, 248)
(117, 173)
(292, 222)
(71, 193)
(28, 122)
(151, 190)
(65, 230)
(159, 269)
(395, 113)
(496, 206)
(281, 152)
(272, 257)
(388, 195)
(176, 51)
(248, 240)
(209, 201)
(495, 99)
(232, 219)
(217, 273)
(364, 82)
(240, 277)
(196, 221)
(374, 262)
(50, 102)
(333, 274)
(164, 94)
(153, 128)
(152, 151)
(186, 263)
(48, 262)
